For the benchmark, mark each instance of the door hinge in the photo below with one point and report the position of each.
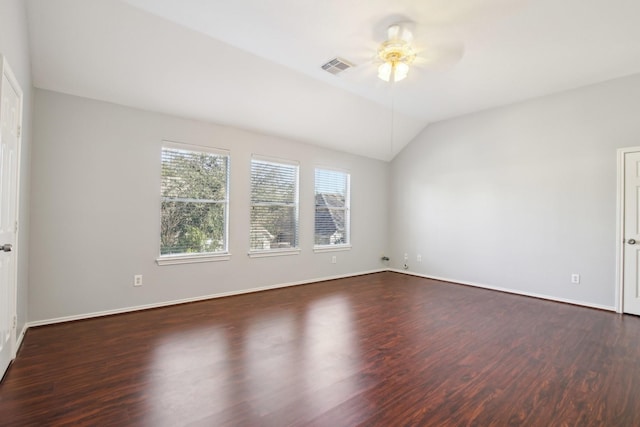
(19, 131)
(16, 229)
(15, 322)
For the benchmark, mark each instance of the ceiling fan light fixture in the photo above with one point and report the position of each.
(396, 56)
(384, 71)
(393, 72)
(400, 71)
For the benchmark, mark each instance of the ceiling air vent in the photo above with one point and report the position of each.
(336, 66)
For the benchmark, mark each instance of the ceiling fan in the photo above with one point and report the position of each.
(402, 50)
(407, 45)
(396, 53)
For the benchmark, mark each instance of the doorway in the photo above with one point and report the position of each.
(10, 130)
(629, 230)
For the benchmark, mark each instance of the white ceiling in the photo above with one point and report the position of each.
(255, 64)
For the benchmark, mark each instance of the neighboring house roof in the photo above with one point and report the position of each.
(328, 221)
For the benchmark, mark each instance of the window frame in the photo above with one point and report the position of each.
(347, 210)
(258, 253)
(188, 258)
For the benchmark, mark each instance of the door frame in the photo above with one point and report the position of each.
(619, 291)
(5, 70)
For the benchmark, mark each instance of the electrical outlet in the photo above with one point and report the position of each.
(406, 257)
(334, 259)
(575, 278)
(419, 258)
(137, 280)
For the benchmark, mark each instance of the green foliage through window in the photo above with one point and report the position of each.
(194, 200)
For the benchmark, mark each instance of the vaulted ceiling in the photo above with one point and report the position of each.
(256, 64)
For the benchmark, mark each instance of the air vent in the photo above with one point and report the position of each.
(336, 66)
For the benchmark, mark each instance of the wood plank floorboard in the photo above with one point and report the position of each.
(383, 349)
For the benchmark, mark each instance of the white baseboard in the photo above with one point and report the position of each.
(289, 284)
(509, 291)
(192, 299)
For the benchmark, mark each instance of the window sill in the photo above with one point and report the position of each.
(190, 259)
(273, 252)
(331, 248)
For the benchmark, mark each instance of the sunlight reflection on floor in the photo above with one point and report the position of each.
(312, 351)
(198, 361)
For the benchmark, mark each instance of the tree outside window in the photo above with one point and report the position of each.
(194, 200)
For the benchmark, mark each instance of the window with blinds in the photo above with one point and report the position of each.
(274, 205)
(332, 208)
(195, 200)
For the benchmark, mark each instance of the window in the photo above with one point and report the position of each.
(195, 200)
(332, 209)
(274, 206)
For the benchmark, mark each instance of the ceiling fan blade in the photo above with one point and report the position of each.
(401, 31)
(443, 55)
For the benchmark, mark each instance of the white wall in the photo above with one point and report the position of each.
(95, 210)
(519, 197)
(14, 45)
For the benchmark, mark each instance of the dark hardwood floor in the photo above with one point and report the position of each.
(379, 350)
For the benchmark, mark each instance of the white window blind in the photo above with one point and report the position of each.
(332, 208)
(195, 200)
(274, 205)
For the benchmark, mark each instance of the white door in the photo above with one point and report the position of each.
(10, 116)
(631, 279)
